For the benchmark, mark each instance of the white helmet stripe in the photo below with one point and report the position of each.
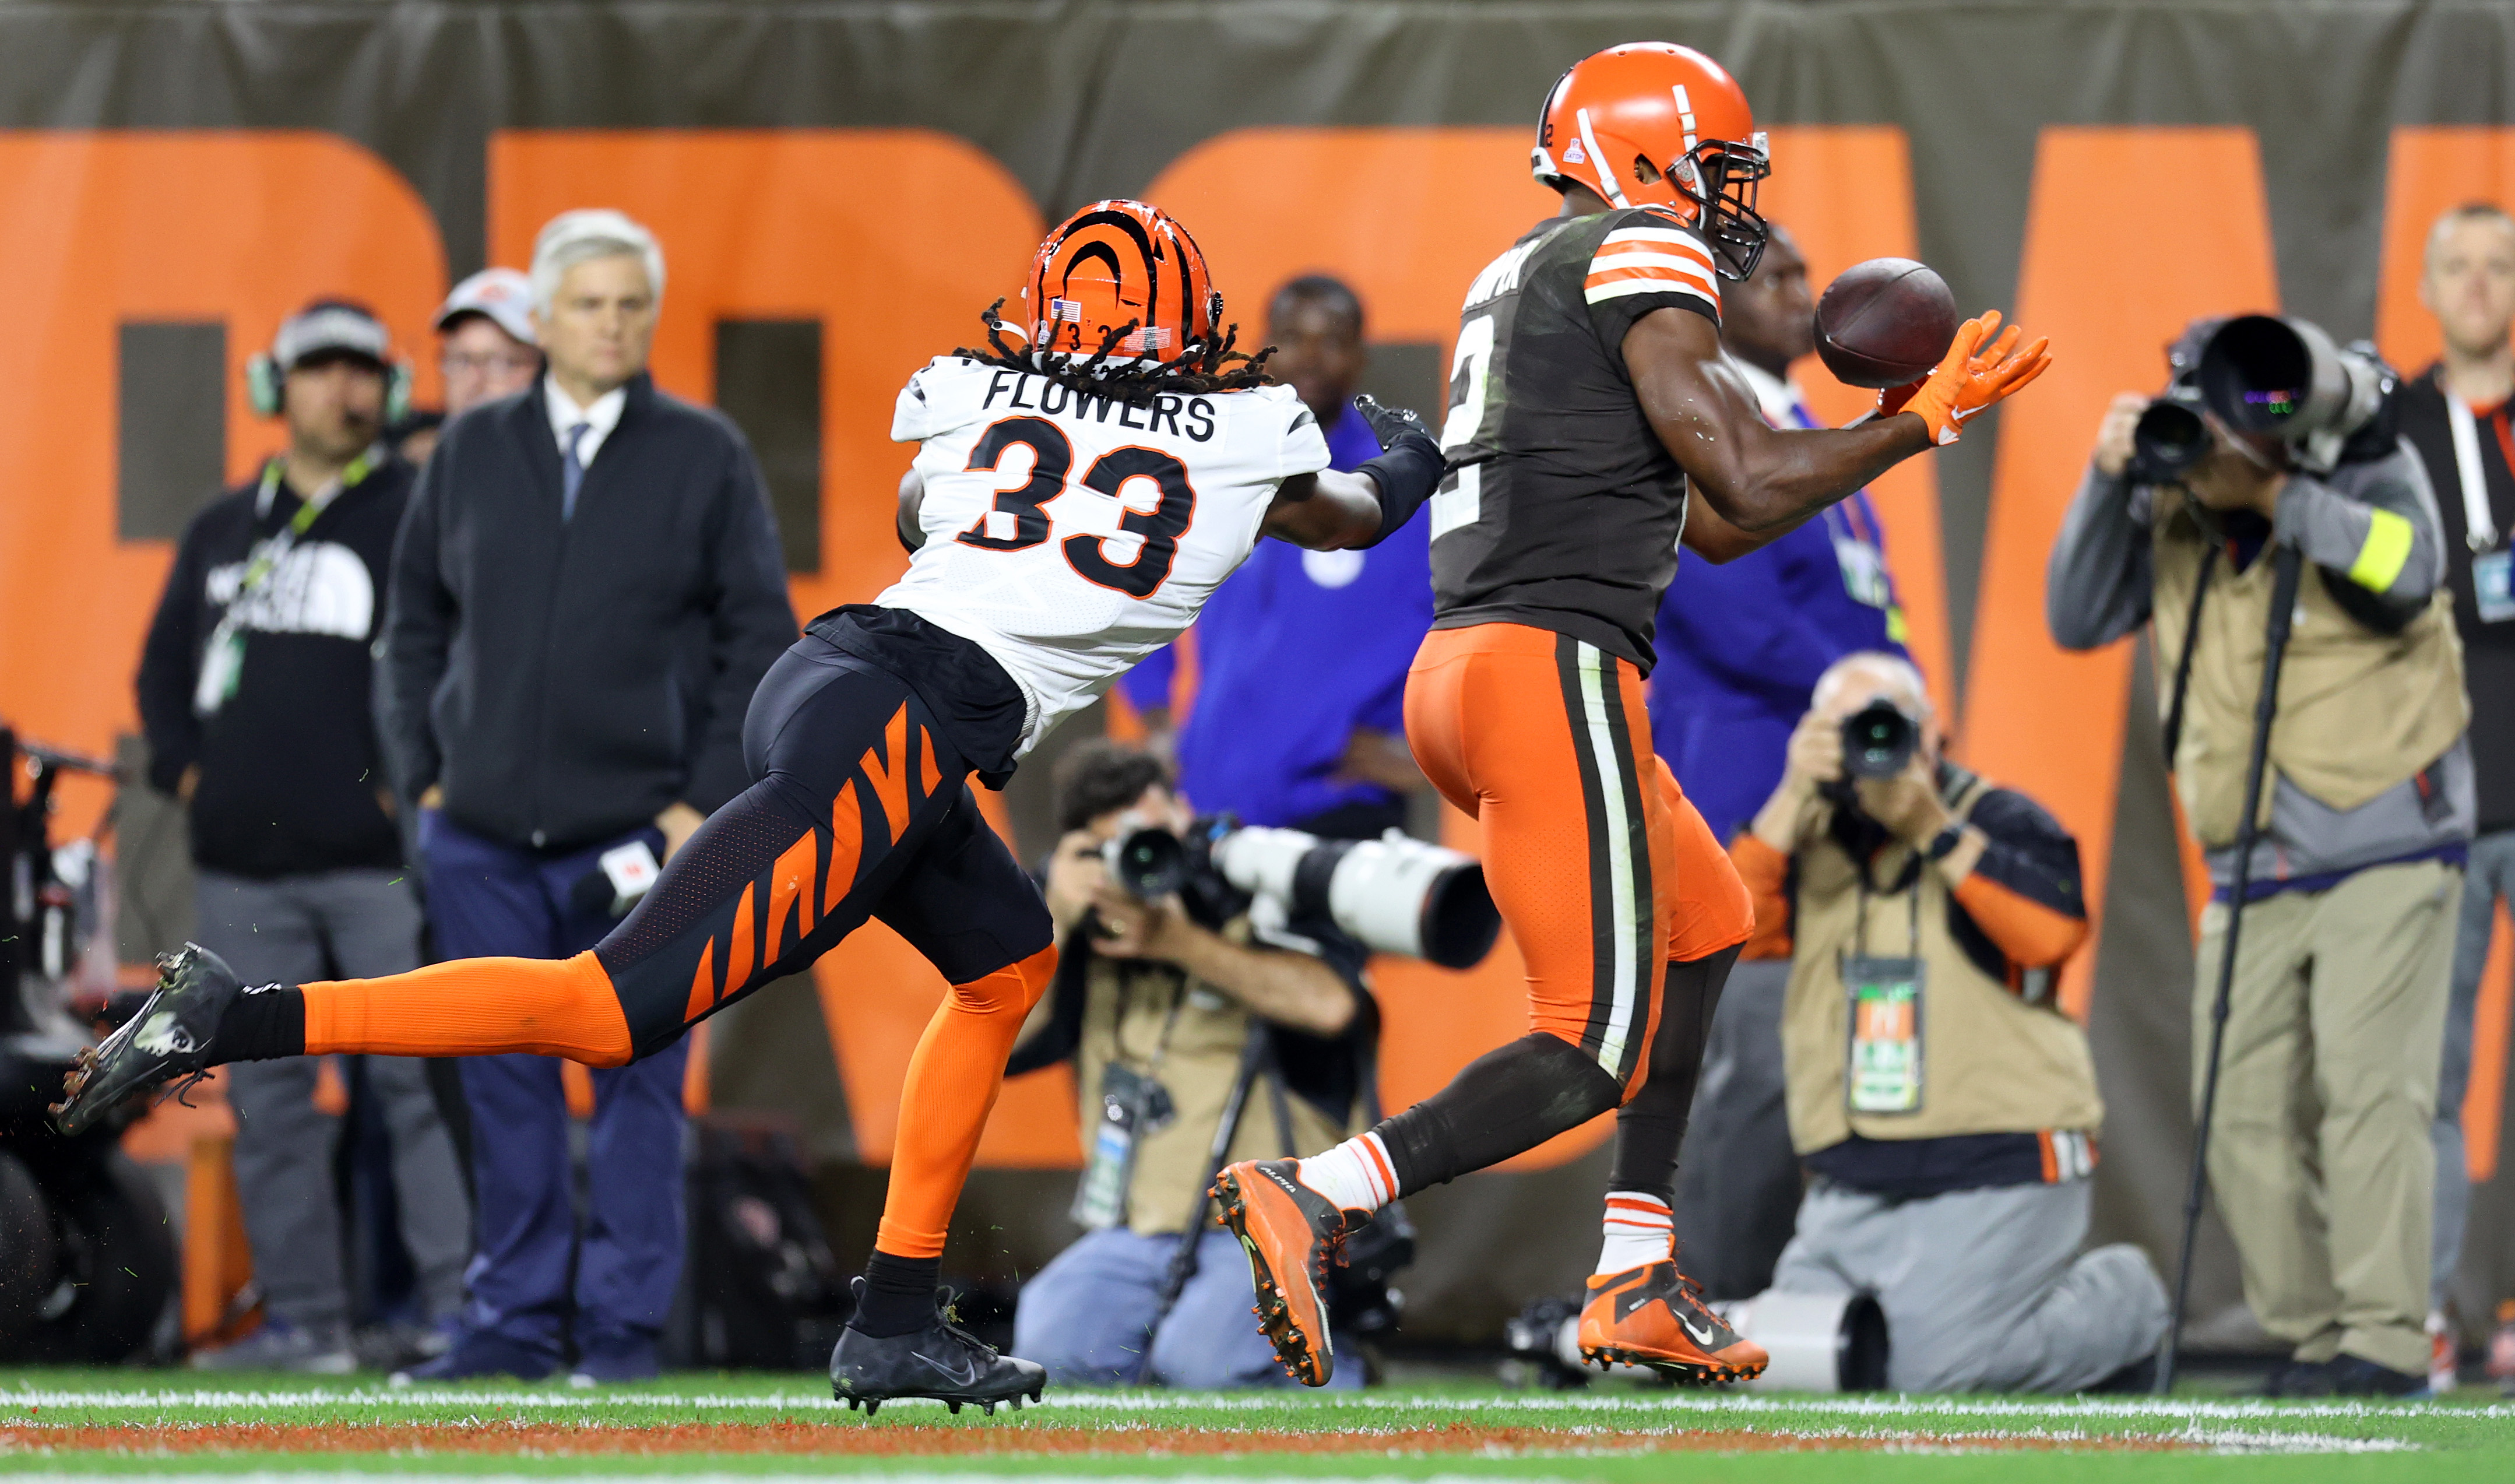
(1684, 115)
(1605, 168)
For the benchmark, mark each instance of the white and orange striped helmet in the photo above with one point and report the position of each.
(1651, 123)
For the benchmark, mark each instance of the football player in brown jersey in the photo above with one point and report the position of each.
(1589, 399)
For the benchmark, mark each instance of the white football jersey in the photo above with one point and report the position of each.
(1069, 536)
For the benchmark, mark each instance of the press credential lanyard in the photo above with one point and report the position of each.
(2493, 571)
(223, 663)
(1884, 1071)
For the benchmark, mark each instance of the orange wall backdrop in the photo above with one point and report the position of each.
(2042, 721)
(103, 228)
(894, 240)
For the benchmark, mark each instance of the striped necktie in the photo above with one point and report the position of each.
(571, 473)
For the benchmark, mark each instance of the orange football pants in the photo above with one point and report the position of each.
(1601, 868)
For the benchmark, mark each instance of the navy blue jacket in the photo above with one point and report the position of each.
(1740, 649)
(566, 682)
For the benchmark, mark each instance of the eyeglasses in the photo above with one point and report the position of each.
(459, 363)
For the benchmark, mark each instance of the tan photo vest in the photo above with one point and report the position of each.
(2359, 711)
(1188, 1036)
(1991, 1062)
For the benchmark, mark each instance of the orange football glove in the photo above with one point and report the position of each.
(1969, 377)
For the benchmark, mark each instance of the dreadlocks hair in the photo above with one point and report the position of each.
(1205, 364)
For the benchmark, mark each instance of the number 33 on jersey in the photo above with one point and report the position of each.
(1070, 535)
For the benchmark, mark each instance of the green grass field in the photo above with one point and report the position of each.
(63, 1424)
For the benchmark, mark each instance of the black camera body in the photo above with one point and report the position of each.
(1880, 739)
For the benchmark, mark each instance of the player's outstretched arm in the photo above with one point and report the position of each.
(1762, 482)
(1330, 510)
(1326, 511)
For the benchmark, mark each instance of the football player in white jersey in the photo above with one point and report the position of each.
(1077, 493)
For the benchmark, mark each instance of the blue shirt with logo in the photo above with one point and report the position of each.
(1740, 646)
(1295, 651)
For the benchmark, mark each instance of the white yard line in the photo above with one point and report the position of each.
(1161, 1401)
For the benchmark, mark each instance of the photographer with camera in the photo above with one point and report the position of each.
(1182, 1016)
(2267, 520)
(1944, 1106)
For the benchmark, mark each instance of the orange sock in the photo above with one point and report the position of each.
(952, 1086)
(475, 1008)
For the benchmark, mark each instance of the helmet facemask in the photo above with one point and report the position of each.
(1720, 177)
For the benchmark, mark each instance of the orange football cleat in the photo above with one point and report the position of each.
(1654, 1317)
(1289, 1232)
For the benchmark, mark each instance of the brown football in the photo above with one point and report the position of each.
(1885, 323)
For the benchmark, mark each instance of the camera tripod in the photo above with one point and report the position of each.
(2288, 570)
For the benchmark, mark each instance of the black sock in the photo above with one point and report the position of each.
(1506, 1101)
(1651, 1127)
(898, 1296)
(261, 1027)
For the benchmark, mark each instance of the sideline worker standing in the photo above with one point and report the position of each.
(2457, 417)
(1946, 1107)
(1740, 646)
(255, 691)
(1276, 736)
(2320, 1156)
(1161, 1005)
(586, 591)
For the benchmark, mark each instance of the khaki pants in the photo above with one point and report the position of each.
(2321, 1158)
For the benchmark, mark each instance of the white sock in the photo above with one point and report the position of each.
(1639, 1229)
(1355, 1175)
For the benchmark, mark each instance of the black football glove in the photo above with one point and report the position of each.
(1389, 424)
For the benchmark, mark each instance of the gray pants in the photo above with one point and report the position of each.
(2490, 877)
(1738, 1180)
(2321, 1160)
(349, 925)
(1983, 1290)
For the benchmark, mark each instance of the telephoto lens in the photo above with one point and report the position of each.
(1878, 740)
(2267, 373)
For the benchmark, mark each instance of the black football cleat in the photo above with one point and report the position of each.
(169, 1038)
(939, 1363)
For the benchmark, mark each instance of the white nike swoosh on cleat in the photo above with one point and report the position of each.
(965, 1376)
(1702, 1338)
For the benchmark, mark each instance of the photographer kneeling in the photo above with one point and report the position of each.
(2270, 468)
(1945, 1108)
(1170, 1007)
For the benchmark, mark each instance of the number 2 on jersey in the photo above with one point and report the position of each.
(1019, 520)
(1460, 501)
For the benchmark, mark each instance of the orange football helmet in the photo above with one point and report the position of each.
(1652, 123)
(1121, 266)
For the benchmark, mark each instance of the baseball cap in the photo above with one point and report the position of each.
(330, 327)
(500, 294)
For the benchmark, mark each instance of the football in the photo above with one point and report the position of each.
(1885, 323)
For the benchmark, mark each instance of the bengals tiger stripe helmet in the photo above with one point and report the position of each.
(1650, 123)
(1120, 264)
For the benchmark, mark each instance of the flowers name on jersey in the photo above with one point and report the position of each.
(1068, 534)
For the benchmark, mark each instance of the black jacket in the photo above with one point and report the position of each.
(290, 765)
(2488, 649)
(566, 682)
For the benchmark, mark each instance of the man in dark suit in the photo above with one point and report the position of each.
(585, 593)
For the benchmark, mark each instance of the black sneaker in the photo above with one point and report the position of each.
(2298, 1377)
(2357, 1375)
(940, 1362)
(169, 1038)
